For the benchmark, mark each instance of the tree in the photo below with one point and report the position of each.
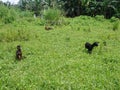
(108, 8)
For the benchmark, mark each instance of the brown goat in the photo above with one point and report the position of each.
(48, 28)
(19, 53)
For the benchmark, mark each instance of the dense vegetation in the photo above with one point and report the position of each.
(57, 59)
(73, 8)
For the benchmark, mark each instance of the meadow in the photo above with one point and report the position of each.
(57, 59)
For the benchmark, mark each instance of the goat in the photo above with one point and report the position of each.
(19, 53)
(48, 28)
(90, 46)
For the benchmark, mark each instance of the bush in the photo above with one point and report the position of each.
(114, 19)
(8, 19)
(99, 17)
(52, 16)
(116, 25)
(25, 14)
(7, 15)
(3, 11)
(117, 15)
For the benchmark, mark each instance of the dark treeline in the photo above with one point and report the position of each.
(108, 8)
(73, 8)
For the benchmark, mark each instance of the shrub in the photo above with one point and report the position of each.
(3, 11)
(99, 17)
(116, 25)
(25, 14)
(52, 16)
(114, 19)
(7, 15)
(8, 19)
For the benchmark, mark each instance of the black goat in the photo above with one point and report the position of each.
(90, 46)
(19, 53)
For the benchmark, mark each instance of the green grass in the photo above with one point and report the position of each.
(57, 59)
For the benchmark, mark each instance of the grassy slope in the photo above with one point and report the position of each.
(57, 60)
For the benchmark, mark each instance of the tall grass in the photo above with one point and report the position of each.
(11, 35)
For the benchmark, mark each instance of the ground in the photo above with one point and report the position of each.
(57, 59)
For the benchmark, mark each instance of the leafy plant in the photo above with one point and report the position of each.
(7, 15)
(25, 14)
(115, 25)
(52, 16)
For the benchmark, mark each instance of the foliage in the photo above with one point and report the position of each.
(25, 14)
(7, 15)
(73, 8)
(3, 11)
(33, 5)
(57, 59)
(108, 8)
(52, 16)
(116, 25)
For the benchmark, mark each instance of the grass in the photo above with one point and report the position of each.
(57, 59)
